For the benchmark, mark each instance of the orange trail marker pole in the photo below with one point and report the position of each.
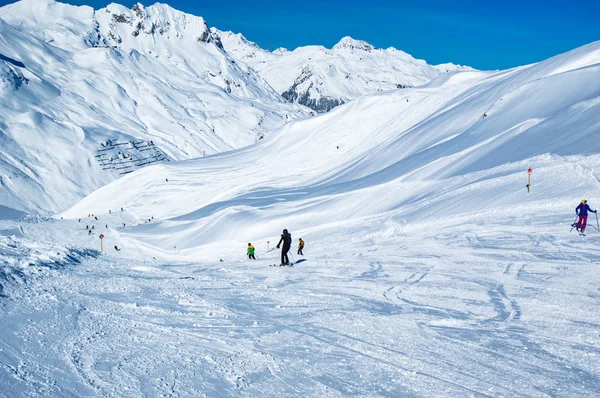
(528, 179)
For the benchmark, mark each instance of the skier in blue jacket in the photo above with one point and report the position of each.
(582, 212)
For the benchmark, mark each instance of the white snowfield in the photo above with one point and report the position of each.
(72, 78)
(324, 78)
(459, 146)
(430, 270)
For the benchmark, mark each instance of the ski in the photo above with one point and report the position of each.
(574, 225)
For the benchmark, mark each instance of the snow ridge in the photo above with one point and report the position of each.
(322, 78)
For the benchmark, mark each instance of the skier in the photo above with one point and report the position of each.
(582, 212)
(300, 246)
(286, 238)
(251, 252)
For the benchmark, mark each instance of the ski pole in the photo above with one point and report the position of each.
(597, 225)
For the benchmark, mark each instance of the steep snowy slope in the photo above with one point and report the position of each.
(459, 146)
(86, 96)
(322, 78)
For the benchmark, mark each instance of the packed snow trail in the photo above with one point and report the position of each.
(485, 307)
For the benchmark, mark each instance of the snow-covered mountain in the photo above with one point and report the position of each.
(430, 270)
(450, 67)
(322, 78)
(87, 95)
(447, 146)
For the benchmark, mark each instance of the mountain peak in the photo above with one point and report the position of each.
(350, 43)
(281, 51)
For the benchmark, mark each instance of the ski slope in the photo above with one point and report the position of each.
(402, 155)
(488, 307)
(430, 271)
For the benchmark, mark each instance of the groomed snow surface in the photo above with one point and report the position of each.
(491, 305)
(430, 270)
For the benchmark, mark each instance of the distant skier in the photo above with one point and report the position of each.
(286, 238)
(300, 246)
(251, 252)
(582, 212)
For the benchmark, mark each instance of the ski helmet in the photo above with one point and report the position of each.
(249, 244)
(285, 231)
(583, 201)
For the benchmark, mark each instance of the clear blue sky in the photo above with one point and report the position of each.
(485, 34)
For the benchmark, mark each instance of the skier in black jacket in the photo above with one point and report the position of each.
(286, 238)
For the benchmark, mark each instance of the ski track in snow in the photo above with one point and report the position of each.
(472, 311)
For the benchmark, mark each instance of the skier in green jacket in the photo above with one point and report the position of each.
(251, 252)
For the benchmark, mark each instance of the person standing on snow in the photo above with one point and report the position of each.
(251, 252)
(286, 238)
(582, 212)
(300, 246)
